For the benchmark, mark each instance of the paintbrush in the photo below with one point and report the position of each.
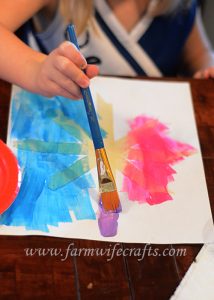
(108, 190)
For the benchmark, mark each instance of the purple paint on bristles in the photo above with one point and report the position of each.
(108, 221)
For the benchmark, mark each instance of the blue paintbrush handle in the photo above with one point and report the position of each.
(88, 101)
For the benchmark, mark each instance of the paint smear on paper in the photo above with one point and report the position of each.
(52, 138)
(150, 159)
(108, 220)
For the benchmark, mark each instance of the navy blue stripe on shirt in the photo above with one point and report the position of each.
(39, 43)
(23, 33)
(41, 46)
(119, 46)
(169, 33)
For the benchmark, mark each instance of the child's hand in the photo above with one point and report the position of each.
(205, 74)
(60, 73)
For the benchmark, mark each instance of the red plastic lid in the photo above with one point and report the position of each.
(9, 172)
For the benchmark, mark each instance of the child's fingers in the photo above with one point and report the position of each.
(66, 83)
(92, 71)
(60, 73)
(70, 70)
(198, 75)
(210, 72)
(55, 90)
(70, 51)
(205, 74)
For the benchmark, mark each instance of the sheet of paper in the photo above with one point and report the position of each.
(151, 140)
(198, 282)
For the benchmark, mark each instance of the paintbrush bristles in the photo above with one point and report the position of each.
(110, 200)
(108, 189)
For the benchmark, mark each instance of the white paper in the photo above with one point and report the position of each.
(182, 220)
(198, 282)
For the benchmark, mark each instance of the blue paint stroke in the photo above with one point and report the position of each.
(50, 147)
(69, 174)
(43, 142)
(71, 110)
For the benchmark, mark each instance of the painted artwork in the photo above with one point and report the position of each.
(151, 141)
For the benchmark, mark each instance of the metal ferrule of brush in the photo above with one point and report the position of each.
(105, 175)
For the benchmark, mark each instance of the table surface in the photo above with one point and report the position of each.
(49, 276)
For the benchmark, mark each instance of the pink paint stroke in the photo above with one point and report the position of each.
(151, 155)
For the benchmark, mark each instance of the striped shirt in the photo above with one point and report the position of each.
(153, 47)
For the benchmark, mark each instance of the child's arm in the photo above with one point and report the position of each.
(198, 56)
(56, 74)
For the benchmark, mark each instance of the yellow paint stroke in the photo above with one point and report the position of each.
(116, 149)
